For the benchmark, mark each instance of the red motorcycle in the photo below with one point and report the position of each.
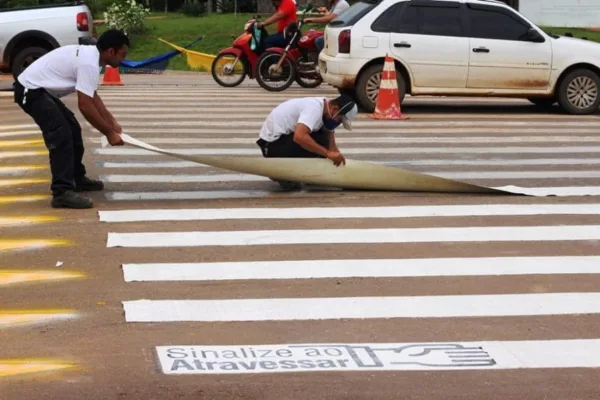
(240, 59)
(296, 62)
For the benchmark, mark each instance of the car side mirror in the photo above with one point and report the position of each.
(534, 36)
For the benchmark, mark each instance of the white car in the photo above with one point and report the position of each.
(458, 48)
(28, 33)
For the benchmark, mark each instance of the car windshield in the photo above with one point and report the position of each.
(354, 13)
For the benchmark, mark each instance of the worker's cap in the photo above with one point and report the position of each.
(348, 110)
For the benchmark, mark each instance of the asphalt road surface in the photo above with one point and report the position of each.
(191, 282)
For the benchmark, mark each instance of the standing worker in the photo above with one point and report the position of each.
(336, 8)
(38, 90)
(285, 14)
(305, 128)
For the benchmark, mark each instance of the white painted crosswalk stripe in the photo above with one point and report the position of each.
(368, 268)
(353, 236)
(283, 309)
(365, 150)
(504, 175)
(348, 212)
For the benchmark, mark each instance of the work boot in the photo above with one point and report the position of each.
(70, 199)
(86, 184)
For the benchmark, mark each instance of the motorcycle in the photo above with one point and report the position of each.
(242, 55)
(296, 62)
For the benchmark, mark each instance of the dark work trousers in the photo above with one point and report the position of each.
(286, 147)
(61, 133)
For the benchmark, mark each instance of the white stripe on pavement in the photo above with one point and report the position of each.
(560, 191)
(419, 162)
(500, 305)
(373, 140)
(311, 269)
(188, 195)
(206, 214)
(356, 236)
(252, 133)
(366, 150)
(359, 123)
(491, 175)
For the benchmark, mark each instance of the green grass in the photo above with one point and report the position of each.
(181, 30)
(217, 29)
(576, 32)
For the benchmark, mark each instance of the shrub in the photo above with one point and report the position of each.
(127, 16)
(193, 10)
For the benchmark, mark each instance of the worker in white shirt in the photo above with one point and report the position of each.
(68, 69)
(305, 128)
(336, 8)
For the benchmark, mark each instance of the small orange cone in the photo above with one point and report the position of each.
(111, 76)
(388, 103)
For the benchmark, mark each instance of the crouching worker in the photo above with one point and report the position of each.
(305, 128)
(38, 90)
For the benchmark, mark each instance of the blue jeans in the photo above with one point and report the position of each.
(320, 43)
(275, 40)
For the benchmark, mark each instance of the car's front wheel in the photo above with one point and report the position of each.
(579, 92)
(367, 87)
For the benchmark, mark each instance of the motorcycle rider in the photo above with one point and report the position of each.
(336, 8)
(285, 14)
(305, 128)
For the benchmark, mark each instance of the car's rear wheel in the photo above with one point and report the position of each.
(579, 92)
(25, 58)
(367, 87)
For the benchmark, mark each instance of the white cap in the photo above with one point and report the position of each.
(348, 117)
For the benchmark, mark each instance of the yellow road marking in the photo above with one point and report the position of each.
(19, 133)
(22, 366)
(29, 244)
(23, 199)
(10, 318)
(21, 126)
(36, 219)
(18, 182)
(21, 143)
(13, 154)
(11, 277)
(20, 169)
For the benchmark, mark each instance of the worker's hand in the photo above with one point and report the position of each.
(114, 139)
(336, 157)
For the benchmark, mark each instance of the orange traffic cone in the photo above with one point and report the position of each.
(388, 103)
(111, 76)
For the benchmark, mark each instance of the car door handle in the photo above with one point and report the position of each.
(481, 50)
(402, 44)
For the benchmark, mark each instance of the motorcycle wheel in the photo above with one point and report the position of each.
(240, 63)
(264, 76)
(308, 83)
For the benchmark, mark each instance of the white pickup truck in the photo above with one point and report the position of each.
(458, 48)
(30, 32)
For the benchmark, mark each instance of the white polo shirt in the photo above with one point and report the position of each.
(65, 70)
(284, 118)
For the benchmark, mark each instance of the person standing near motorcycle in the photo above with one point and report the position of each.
(336, 8)
(305, 128)
(285, 14)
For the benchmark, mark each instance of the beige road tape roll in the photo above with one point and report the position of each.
(354, 175)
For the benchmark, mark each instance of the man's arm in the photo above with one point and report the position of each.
(321, 20)
(89, 110)
(303, 138)
(108, 117)
(273, 18)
